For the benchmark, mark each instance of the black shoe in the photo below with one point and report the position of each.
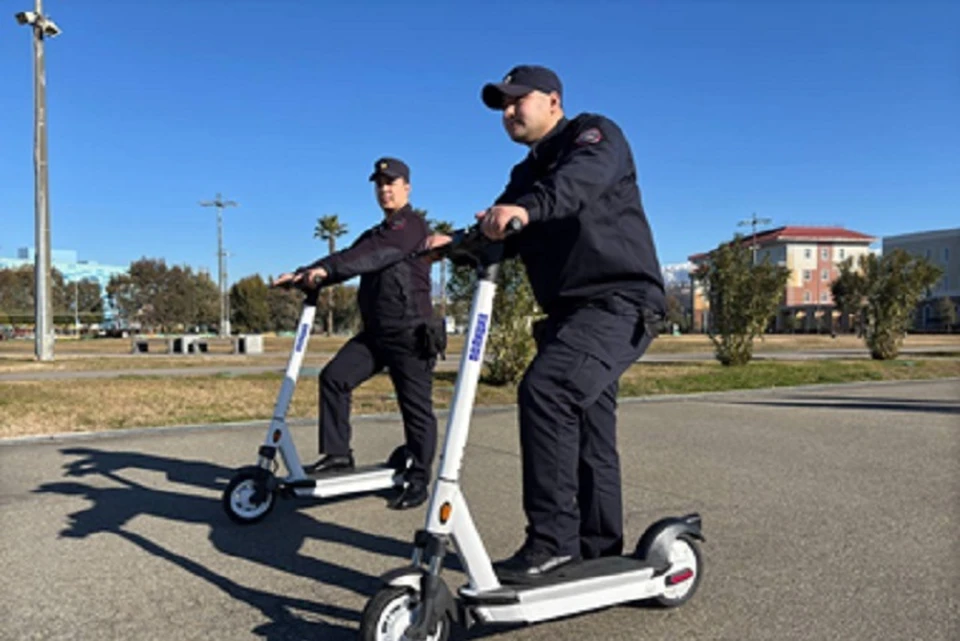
(412, 495)
(330, 463)
(530, 563)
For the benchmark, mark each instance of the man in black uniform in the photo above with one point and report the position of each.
(396, 311)
(590, 258)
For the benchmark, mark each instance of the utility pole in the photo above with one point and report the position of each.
(43, 301)
(753, 221)
(219, 203)
(76, 307)
(226, 290)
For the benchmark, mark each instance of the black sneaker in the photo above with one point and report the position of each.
(530, 563)
(412, 495)
(330, 463)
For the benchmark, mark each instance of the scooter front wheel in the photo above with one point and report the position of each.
(248, 497)
(391, 611)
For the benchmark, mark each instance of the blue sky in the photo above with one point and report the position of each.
(814, 112)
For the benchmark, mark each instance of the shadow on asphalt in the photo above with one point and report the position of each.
(860, 404)
(275, 542)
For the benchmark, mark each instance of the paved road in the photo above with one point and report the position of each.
(450, 364)
(830, 513)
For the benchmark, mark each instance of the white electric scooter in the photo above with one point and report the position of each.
(415, 604)
(252, 492)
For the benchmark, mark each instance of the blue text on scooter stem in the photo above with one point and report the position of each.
(300, 338)
(477, 341)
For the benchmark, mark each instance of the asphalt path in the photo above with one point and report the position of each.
(829, 513)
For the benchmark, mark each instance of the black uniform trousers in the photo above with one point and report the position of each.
(568, 401)
(411, 371)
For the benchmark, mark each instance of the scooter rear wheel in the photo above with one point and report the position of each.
(399, 459)
(390, 612)
(247, 498)
(686, 568)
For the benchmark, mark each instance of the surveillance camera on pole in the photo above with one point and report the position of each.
(42, 28)
(50, 29)
(27, 17)
(34, 18)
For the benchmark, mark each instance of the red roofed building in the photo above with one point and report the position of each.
(811, 254)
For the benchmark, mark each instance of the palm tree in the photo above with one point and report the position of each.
(329, 228)
(446, 228)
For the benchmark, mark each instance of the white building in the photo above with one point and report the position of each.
(942, 248)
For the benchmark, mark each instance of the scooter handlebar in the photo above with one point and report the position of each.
(514, 225)
(304, 285)
(470, 240)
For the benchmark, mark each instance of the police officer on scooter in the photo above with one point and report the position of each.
(593, 268)
(398, 333)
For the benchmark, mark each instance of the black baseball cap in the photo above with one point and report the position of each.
(392, 168)
(520, 81)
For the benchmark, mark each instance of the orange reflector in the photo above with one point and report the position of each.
(276, 435)
(445, 510)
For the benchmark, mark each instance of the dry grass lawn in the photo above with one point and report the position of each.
(48, 407)
(113, 354)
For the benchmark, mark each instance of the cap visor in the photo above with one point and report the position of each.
(389, 174)
(493, 94)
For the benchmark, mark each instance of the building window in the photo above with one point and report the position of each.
(806, 274)
(807, 253)
(825, 275)
(946, 254)
(806, 297)
(824, 253)
(928, 254)
(824, 297)
(842, 252)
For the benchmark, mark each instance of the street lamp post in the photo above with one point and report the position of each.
(43, 27)
(219, 203)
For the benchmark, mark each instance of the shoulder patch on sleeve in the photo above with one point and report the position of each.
(589, 136)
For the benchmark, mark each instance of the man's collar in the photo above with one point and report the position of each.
(397, 211)
(535, 147)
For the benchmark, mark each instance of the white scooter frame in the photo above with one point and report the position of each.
(251, 494)
(416, 604)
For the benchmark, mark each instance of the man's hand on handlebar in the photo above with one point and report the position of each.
(310, 278)
(494, 224)
(494, 221)
(432, 242)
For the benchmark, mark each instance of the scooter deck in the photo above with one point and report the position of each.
(361, 470)
(579, 587)
(366, 478)
(358, 470)
(576, 571)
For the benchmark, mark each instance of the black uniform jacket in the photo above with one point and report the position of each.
(394, 285)
(588, 235)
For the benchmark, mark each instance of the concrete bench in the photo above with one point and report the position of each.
(192, 344)
(141, 344)
(240, 344)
